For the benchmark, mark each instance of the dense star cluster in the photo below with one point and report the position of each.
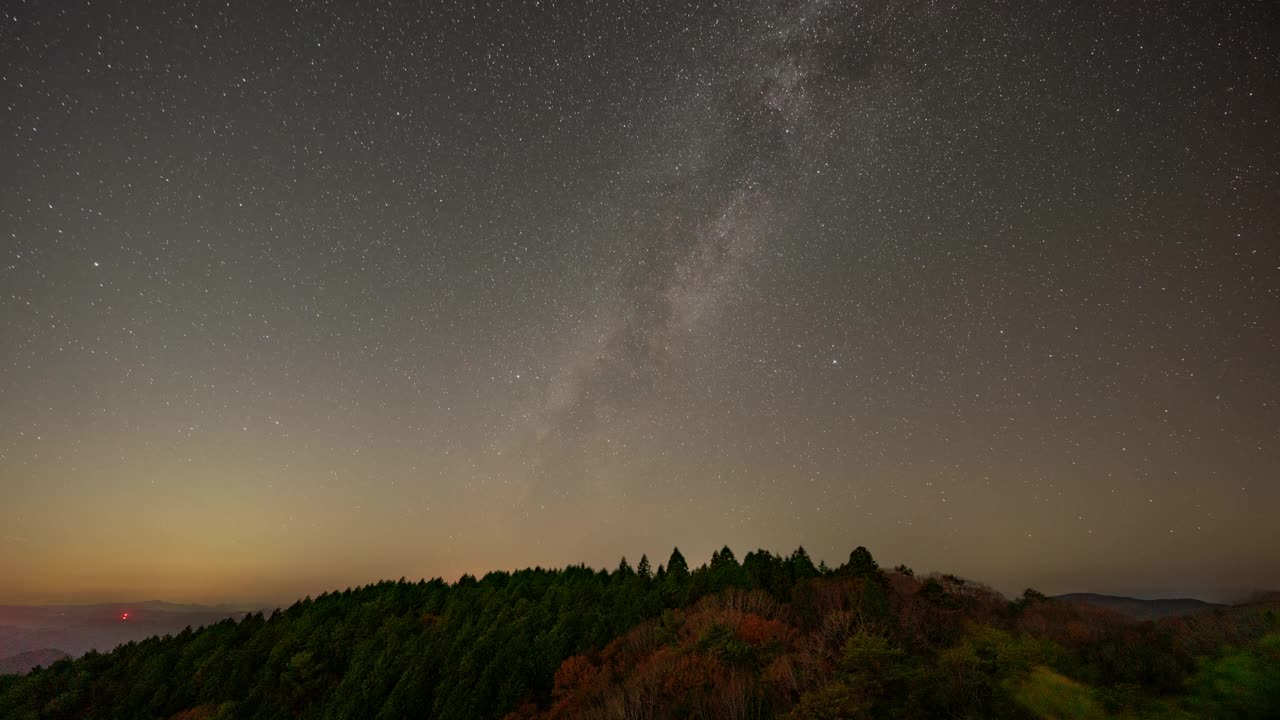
(297, 296)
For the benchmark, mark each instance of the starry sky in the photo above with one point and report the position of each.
(299, 296)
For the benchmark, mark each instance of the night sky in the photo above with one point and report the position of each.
(299, 296)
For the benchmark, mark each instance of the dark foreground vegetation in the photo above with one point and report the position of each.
(763, 638)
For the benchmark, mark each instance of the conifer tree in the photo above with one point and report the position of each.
(861, 564)
(677, 567)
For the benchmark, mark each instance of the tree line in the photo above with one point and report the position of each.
(768, 636)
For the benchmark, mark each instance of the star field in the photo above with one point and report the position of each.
(299, 297)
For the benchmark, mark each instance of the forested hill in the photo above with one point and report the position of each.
(1143, 609)
(765, 637)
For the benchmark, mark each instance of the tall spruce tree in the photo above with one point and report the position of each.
(677, 567)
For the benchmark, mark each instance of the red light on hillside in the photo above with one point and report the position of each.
(124, 616)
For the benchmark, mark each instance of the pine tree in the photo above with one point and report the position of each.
(677, 568)
(723, 559)
(801, 565)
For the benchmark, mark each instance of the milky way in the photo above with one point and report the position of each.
(302, 297)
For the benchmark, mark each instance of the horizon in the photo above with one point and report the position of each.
(248, 602)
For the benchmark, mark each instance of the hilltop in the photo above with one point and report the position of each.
(1143, 609)
(765, 637)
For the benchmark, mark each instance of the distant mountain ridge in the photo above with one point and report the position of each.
(1140, 609)
(22, 663)
(77, 629)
